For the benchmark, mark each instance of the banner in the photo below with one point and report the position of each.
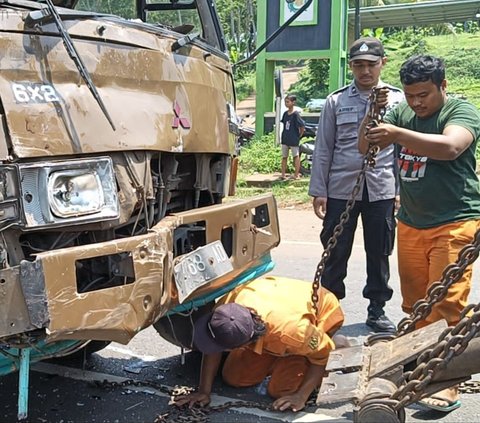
(289, 7)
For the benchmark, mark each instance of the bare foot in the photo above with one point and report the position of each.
(445, 400)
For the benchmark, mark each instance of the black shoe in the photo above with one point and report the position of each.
(380, 323)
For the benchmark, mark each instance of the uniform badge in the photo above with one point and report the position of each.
(363, 47)
(313, 342)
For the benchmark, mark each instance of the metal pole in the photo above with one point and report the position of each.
(357, 19)
(23, 379)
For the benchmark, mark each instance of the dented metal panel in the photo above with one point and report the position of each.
(15, 315)
(387, 355)
(114, 313)
(157, 85)
(117, 139)
(33, 288)
(49, 284)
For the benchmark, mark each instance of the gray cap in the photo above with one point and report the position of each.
(229, 326)
(366, 48)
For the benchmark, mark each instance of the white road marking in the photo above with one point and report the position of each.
(89, 376)
(129, 353)
(301, 243)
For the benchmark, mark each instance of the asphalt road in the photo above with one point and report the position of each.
(71, 390)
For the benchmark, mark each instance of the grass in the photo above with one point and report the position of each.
(288, 193)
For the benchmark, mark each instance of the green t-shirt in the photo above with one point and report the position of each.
(436, 192)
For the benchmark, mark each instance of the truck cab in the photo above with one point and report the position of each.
(118, 143)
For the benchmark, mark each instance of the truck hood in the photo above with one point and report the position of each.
(157, 99)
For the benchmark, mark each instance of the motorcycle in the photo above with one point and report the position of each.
(306, 149)
(245, 134)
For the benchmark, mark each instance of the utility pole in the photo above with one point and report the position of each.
(357, 19)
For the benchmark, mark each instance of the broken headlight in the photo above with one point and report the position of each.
(75, 193)
(68, 192)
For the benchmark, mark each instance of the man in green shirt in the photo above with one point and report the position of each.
(436, 138)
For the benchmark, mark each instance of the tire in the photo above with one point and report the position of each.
(305, 166)
(94, 346)
(83, 353)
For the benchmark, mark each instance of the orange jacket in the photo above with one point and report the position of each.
(285, 306)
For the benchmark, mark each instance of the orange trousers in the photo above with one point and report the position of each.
(423, 255)
(243, 368)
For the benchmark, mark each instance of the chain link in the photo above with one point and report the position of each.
(438, 290)
(469, 387)
(453, 340)
(375, 115)
(451, 343)
(196, 414)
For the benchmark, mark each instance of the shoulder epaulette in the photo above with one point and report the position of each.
(340, 90)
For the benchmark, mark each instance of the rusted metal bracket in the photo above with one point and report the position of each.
(372, 375)
(369, 374)
(350, 369)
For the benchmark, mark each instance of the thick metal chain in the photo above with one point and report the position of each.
(438, 290)
(375, 115)
(451, 343)
(185, 414)
(469, 387)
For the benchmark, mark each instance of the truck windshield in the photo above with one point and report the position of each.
(125, 9)
(180, 15)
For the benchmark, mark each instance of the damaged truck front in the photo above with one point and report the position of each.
(117, 144)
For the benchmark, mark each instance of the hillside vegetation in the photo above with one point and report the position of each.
(461, 53)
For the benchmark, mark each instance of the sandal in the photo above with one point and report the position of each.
(451, 405)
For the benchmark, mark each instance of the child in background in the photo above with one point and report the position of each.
(293, 128)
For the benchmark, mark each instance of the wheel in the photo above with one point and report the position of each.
(178, 328)
(93, 347)
(305, 166)
(83, 353)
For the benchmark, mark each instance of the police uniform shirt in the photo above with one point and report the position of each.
(337, 160)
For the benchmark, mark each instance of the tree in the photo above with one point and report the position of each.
(238, 19)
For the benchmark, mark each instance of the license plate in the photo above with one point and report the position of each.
(200, 267)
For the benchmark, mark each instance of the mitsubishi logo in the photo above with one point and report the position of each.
(177, 120)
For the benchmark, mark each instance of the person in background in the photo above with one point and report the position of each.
(293, 128)
(436, 138)
(335, 168)
(271, 330)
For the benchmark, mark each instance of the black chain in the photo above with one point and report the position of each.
(438, 290)
(451, 343)
(375, 115)
(469, 387)
(196, 414)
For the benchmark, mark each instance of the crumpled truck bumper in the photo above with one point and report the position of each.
(42, 294)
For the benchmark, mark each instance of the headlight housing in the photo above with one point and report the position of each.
(67, 192)
(75, 193)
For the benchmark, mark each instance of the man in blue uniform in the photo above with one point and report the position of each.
(336, 165)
